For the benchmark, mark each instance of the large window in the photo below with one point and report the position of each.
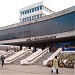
(40, 7)
(31, 10)
(23, 20)
(37, 16)
(33, 17)
(37, 8)
(23, 12)
(46, 9)
(27, 11)
(29, 18)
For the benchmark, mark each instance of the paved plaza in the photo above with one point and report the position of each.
(32, 70)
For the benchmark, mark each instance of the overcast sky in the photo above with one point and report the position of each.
(9, 9)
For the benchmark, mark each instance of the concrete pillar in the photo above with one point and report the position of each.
(43, 47)
(20, 47)
(34, 48)
(29, 47)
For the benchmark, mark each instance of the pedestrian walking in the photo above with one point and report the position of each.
(55, 65)
(2, 60)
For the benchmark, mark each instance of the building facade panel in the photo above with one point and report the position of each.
(56, 25)
(59, 24)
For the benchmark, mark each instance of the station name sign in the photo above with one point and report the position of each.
(40, 38)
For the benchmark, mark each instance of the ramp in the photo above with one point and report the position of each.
(52, 56)
(16, 56)
(34, 57)
(7, 53)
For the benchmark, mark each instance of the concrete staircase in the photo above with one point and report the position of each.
(52, 56)
(17, 62)
(40, 61)
(17, 55)
(7, 54)
(10, 55)
(34, 57)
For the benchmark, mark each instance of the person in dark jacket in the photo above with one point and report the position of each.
(2, 60)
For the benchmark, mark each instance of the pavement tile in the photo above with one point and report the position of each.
(32, 70)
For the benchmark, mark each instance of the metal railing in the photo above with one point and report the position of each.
(31, 59)
(16, 56)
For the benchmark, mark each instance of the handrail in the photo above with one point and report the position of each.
(52, 56)
(16, 57)
(34, 54)
(13, 56)
(5, 53)
(34, 58)
(37, 55)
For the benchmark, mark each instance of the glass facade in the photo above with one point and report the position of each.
(59, 24)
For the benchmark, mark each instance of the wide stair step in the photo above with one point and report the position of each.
(17, 62)
(40, 61)
(9, 55)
